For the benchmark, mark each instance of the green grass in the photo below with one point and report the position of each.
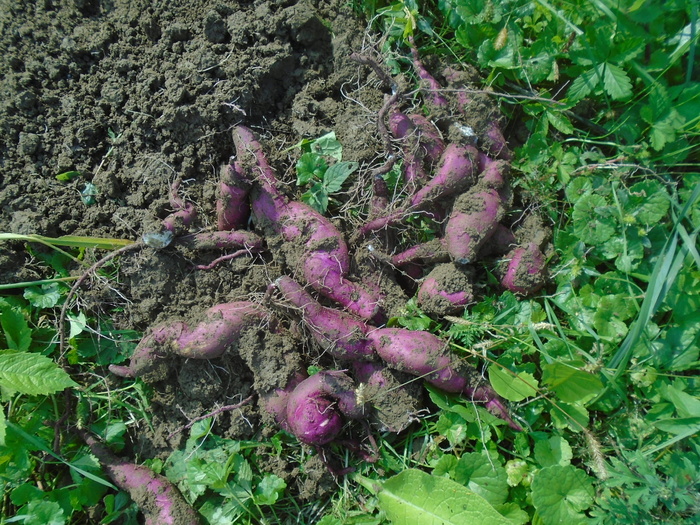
(602, 371)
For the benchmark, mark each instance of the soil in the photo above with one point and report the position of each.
(126, 97)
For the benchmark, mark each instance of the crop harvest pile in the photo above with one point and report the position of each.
(330, 292)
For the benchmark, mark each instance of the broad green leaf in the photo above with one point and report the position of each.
(32, 374)
(511, 385)
(560, 121)
(328, 145)
(3, 426)
(269, 489)
(45, 296)
(77, 324)
(560, 494)
(686, 405)
(553, 451)
(418, 498)
(487, 479)
(648, 201)
(316, 197)
(592, 219)
(43, 512)
(616, 82)
(337, 174)
(687, 425)
(18, 335)
(310, 168)
(572, 416)
(570, 383)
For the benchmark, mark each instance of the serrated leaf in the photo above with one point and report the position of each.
(3, 426)
(32, 374)
(418, 498)
(337, 174)
(560, 494)
(570, 383)
(310, 167)
(18, 335)
(583, 84)
(616, 82)
(511, 385)
(560, 122)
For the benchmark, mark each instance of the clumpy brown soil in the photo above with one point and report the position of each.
(132, 95)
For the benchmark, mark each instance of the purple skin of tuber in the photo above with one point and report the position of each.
(208, 340)
(426, 355)
(445, 292)
(158, 499)
(418, 353)
(456, 171)
(526, 270)
(275, 402)
(316, 406)
(473, 220)
(431, 87)
(324, 260)
(183, 213)
(429, 252)
(337, 332)
(232, 207)
(222, 240)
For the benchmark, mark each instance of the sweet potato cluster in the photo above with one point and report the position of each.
(336, 291)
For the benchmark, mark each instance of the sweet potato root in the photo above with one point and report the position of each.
(338, 333)
(209, 339)
(232, 206)
(525, 270)
(474, 218)
(323, 256)
(425, 355)
(315, 408)
(158, 499)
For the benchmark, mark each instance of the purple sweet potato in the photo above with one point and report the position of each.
(525, 270)
(474, 218)
(323, 256)
(183, 213)
(338, 333)
(158, 499)
(455, 172)
(232, 206)
(209, 339)
(446, 290)
(315, 408)
(223, 240)
(429, 252)
(432, 90)
(425, 355)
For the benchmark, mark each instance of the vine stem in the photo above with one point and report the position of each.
(64, 309)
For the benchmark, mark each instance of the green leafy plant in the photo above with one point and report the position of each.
(313, 170)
